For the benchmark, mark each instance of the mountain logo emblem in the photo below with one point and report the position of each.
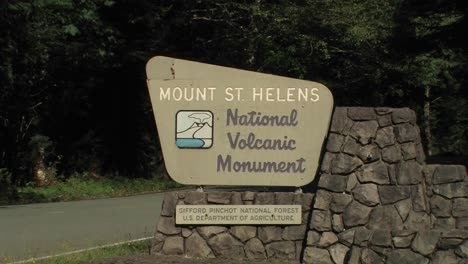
(194, 129)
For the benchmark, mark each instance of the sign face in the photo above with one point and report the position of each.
(238, 215)
(223, 126)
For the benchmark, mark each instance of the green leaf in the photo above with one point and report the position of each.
(71, 30)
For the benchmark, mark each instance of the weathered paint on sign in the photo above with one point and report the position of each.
(224, 126)
(238, 215)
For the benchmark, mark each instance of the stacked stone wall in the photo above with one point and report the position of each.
(235, 241)
(377, 201)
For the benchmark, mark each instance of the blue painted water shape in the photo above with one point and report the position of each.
(189, 143)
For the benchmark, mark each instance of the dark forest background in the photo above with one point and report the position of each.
(73, 95)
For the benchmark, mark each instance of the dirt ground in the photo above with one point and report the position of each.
(145, 259)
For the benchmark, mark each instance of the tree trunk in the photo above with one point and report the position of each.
(427, 119)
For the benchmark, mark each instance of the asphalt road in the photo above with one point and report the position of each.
(52, 228)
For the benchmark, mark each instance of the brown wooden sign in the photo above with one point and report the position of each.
(224, 126)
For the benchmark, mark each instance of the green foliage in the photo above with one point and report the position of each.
(81, 186)
(126, 249)
(73, 71)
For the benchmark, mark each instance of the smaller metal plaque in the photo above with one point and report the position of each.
(238, 215)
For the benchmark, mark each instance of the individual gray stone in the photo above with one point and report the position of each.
(356, 214)
(382, 251)
(391, 154)
(328, 157)
(361, 113)
(226, 246)
(281, 250)
(313, 238)
(383, 110)
(265, 198)
(219, 198)
(444, 257)
(417, 221)
(338, 252)
(254, 249)
(305, 200)
(299, 247)
(369, 153)
(454, 233)
(409, 172)
(405, 256)
(425, 242)
(196, 247)
(347, 237)
(355, 255)
(403, 115)
(340, 120)
(462, 223)
(351, 147)
(444, 223)
(352, 182)
(449, 243)
(390, 194)
(339, 201)
(169, 204)
(157, 243)
(460, 207)
(406, 133)
(321, 220)
(374, 173)
(296, 232)
(365, 131)
(419, 198)
(284, 198)
(334, 183)
(428, 172)
(236, 198)
(337, 223)
(248, 196)
(392, 172)
(173, 246)
(385, 137)
(366, 194)
(452, 190)
(385, 217)
(327, 239)
(404, 207)
(381, 238)
(362, 235)
(345, 164)
(322, 200)
(462, 250)
(385, 120)
(440, 206)
(243, 233)
(370, 257)
(314, 255)
(403, 232)
(402, 241)
(186, 232)
(448, 173)
(209, 231)
(195, 198)
(166, 225)
(408, 150)
(334, 142)
(269, 234)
